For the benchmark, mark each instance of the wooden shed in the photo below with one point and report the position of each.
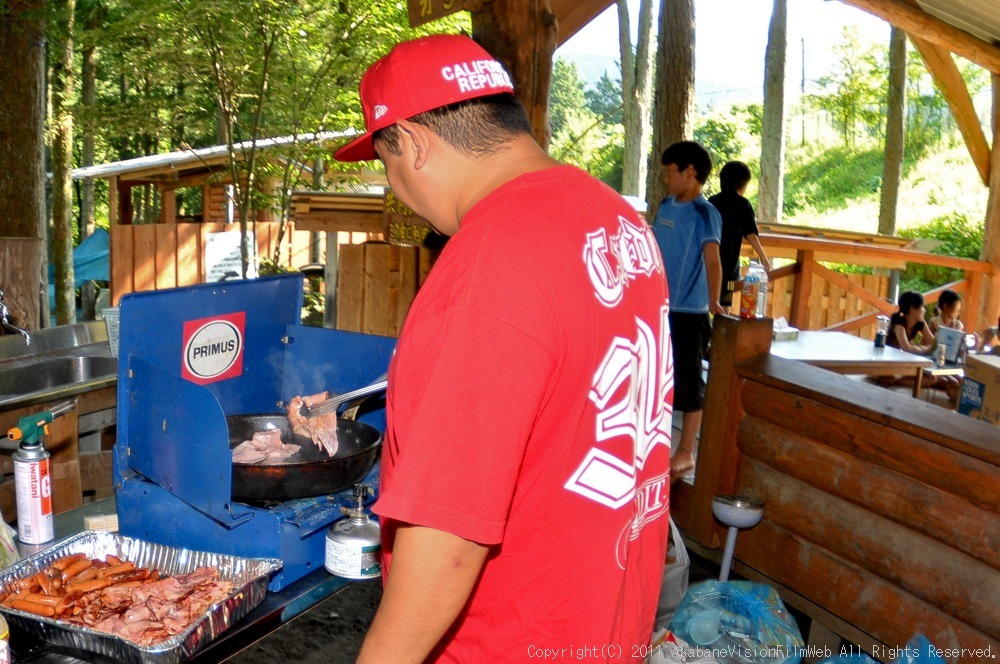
(173, 249)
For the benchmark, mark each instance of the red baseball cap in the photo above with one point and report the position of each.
(421, 75)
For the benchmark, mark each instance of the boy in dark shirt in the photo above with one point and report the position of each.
(738, 222)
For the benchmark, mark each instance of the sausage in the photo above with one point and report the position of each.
(48, 600)
(87, 586)
(75, 568)
(115, 569)
(33, 607)
(85, 575)
(112, 560)
(153, 576)
(30, 583)
(66, 561)
(44, 582)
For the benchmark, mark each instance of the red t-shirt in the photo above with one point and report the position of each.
(529, 409)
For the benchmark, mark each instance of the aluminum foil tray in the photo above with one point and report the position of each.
(248, 575)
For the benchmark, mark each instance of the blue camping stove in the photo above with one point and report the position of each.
(188, 358)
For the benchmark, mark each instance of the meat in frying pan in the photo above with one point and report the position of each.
(321, 428)
(264, 448)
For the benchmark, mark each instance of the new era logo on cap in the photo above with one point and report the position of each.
(420, 75)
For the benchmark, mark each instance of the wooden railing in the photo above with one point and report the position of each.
(811, 296)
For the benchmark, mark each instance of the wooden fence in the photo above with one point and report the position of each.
(157, 256)
(376, 287)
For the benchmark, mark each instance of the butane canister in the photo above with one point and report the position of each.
(354, 544)
(33, 490)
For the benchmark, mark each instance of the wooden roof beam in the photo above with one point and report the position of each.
(922, 25)
(574, 14)
(949, 80)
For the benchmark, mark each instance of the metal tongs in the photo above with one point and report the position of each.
(327, 405)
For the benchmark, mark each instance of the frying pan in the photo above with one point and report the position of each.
(310, 471)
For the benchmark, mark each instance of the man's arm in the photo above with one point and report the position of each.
(755, 243)
(430, 579)
(713, 267)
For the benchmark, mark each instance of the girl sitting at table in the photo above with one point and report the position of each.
(949, 308)
(905, 326)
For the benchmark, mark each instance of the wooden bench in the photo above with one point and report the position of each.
(882, 513)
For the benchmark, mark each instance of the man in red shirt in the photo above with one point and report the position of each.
(525, 473)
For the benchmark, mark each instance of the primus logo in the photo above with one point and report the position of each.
(213, 348)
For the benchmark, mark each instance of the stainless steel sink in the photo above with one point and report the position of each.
(65, 361)
(53, 372)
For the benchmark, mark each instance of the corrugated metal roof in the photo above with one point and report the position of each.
(201, 156)
(977, 17)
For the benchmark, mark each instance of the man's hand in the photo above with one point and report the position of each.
(717, 308)
(431, 576)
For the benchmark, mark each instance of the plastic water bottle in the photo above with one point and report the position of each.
(762, 296)
(753, 299)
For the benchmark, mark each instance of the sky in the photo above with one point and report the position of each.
(730, 40)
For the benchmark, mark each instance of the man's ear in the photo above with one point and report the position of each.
(420, 139)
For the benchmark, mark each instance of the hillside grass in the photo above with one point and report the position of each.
(837, 188)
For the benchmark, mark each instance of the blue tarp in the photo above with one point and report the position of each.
(90, 261)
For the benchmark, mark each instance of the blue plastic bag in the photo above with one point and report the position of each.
(740, 622)
(920, 650)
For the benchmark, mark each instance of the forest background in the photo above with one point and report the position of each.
(137, 78)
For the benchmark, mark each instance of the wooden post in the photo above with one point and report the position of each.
(733, 340)
(522, 34)
(803, 289)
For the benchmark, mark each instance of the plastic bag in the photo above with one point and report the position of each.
(740, 622)
(675, 579)
(919, 650)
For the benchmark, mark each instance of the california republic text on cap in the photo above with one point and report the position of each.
(421, 75)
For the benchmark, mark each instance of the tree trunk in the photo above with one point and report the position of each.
(895, 132)
(62, 163)
(674, 98)
(22, 148)
(637, 83)
(990, 308)
(772, 139)
(88, 97)
(522, 35)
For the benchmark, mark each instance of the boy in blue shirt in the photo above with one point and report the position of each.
(688, 230)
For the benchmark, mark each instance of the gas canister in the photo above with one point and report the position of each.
(32, 479)
(354, 544)
(33, 491)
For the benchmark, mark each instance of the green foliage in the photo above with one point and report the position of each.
(754, 116)
(566, 94)
(605, 100)
(959, 237)
(586, 124)
(832, 178)
(720, 136)
(313, 301)
(853, 93)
